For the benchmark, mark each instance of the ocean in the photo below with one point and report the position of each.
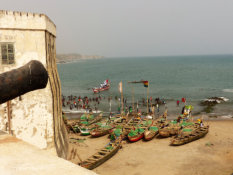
(170, 78)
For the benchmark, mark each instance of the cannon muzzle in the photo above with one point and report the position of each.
(19, 81)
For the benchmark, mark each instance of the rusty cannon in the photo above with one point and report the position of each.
(19, 81)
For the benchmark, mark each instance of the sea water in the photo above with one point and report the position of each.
(170, 78)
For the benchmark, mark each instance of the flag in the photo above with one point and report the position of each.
(146, 83)
(183, 100)
(120, 87)
(106, 82)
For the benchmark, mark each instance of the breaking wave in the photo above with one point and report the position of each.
(228, 90)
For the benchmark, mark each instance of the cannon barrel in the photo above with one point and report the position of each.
(19, 81)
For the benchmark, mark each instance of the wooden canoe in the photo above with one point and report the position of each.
(136, 138)
(168, 129)
(96, 119)
(164, 132)
(85, 132)
(150, 133)
(186, 138)
(100, 132)
(136, 134)
(101, 156)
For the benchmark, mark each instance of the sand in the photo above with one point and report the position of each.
(211, 155)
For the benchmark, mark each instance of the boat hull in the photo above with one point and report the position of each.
(98, 133)
(98, 90)
(85, 133)
(136, 138)
(101, 156)
(199, 133)
(149, 135)
(164, 133)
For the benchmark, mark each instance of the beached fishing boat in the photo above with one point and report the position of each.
(102, 155)
(101, 131)
(103, 87)
(134, 121)
(84, 131)
(151, 133)
(164, 132)
(116, 133)
(169, 128)
(88, 119)
(88, 123)
(116, 119)
(136, 134)
(189, 134)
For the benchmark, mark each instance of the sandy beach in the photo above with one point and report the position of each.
(211, 155)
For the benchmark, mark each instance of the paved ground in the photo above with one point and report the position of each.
(20, 158)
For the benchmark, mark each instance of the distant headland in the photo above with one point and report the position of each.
(67, 58)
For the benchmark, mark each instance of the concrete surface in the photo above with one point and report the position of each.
(21, 158)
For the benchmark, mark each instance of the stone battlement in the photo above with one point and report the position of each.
(26, 21)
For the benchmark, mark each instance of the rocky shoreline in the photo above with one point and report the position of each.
(68, 58)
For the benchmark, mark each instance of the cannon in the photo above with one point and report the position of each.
(16, 82)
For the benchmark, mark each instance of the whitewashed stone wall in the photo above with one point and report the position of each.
(33, 115)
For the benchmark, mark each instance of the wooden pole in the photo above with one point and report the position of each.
(133, 98)
(122, 102)
(151, 103)
(147, 99)
(9, 115)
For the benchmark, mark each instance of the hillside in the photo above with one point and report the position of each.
(66, 58)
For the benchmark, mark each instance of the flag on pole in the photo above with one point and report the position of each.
(120, 87)
(146, 83)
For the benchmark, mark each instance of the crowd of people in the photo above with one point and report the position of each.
(92, 103)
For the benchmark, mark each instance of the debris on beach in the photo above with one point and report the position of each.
(209, 144)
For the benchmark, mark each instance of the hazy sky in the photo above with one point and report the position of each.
(137, 27)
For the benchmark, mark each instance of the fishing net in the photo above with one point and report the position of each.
(136, 132)
(154, 128)
(112, 137)
(140, 130)
(146, 123)
(109, 147)
(187, 130)
(83, 117)
(117, 132)
(186, 124)
(133, 133)
(98, 124)
(84, 122)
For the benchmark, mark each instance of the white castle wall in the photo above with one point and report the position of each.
(32, 117)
